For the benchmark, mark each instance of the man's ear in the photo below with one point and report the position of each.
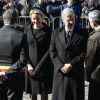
(95, 24)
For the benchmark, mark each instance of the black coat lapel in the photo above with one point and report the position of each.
(72, 38)
(30, 36)
(32, 45)
(62, 37)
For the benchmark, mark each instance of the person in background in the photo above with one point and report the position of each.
(10, 4)
(23, 7)
(54, 9)
(67, 51)
(2, 3)
(42, 4)
(13, 57)
(87, 6)
(39, 64)
(32, 2)
(90, 5)
(97, 3)
(80, 1)
(92, 63)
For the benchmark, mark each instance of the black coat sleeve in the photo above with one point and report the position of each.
(23, 56)
(53, 53)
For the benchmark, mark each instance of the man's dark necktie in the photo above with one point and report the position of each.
(67, 36)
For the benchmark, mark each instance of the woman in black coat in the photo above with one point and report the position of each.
(38, 36)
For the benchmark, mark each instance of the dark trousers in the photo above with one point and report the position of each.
(94, 90)
(11, 88)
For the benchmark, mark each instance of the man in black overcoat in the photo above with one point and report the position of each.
(13, 57)
(67, 51)
(92, 61)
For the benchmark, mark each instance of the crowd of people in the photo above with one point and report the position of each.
(41, 60)
(51, 8)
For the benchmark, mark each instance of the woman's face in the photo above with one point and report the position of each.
(36, 20)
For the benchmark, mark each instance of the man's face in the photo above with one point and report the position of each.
(68, 21)
(91, 23)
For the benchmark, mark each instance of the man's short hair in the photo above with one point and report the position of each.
(68, 12)
(94, 16)
(10, 16)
